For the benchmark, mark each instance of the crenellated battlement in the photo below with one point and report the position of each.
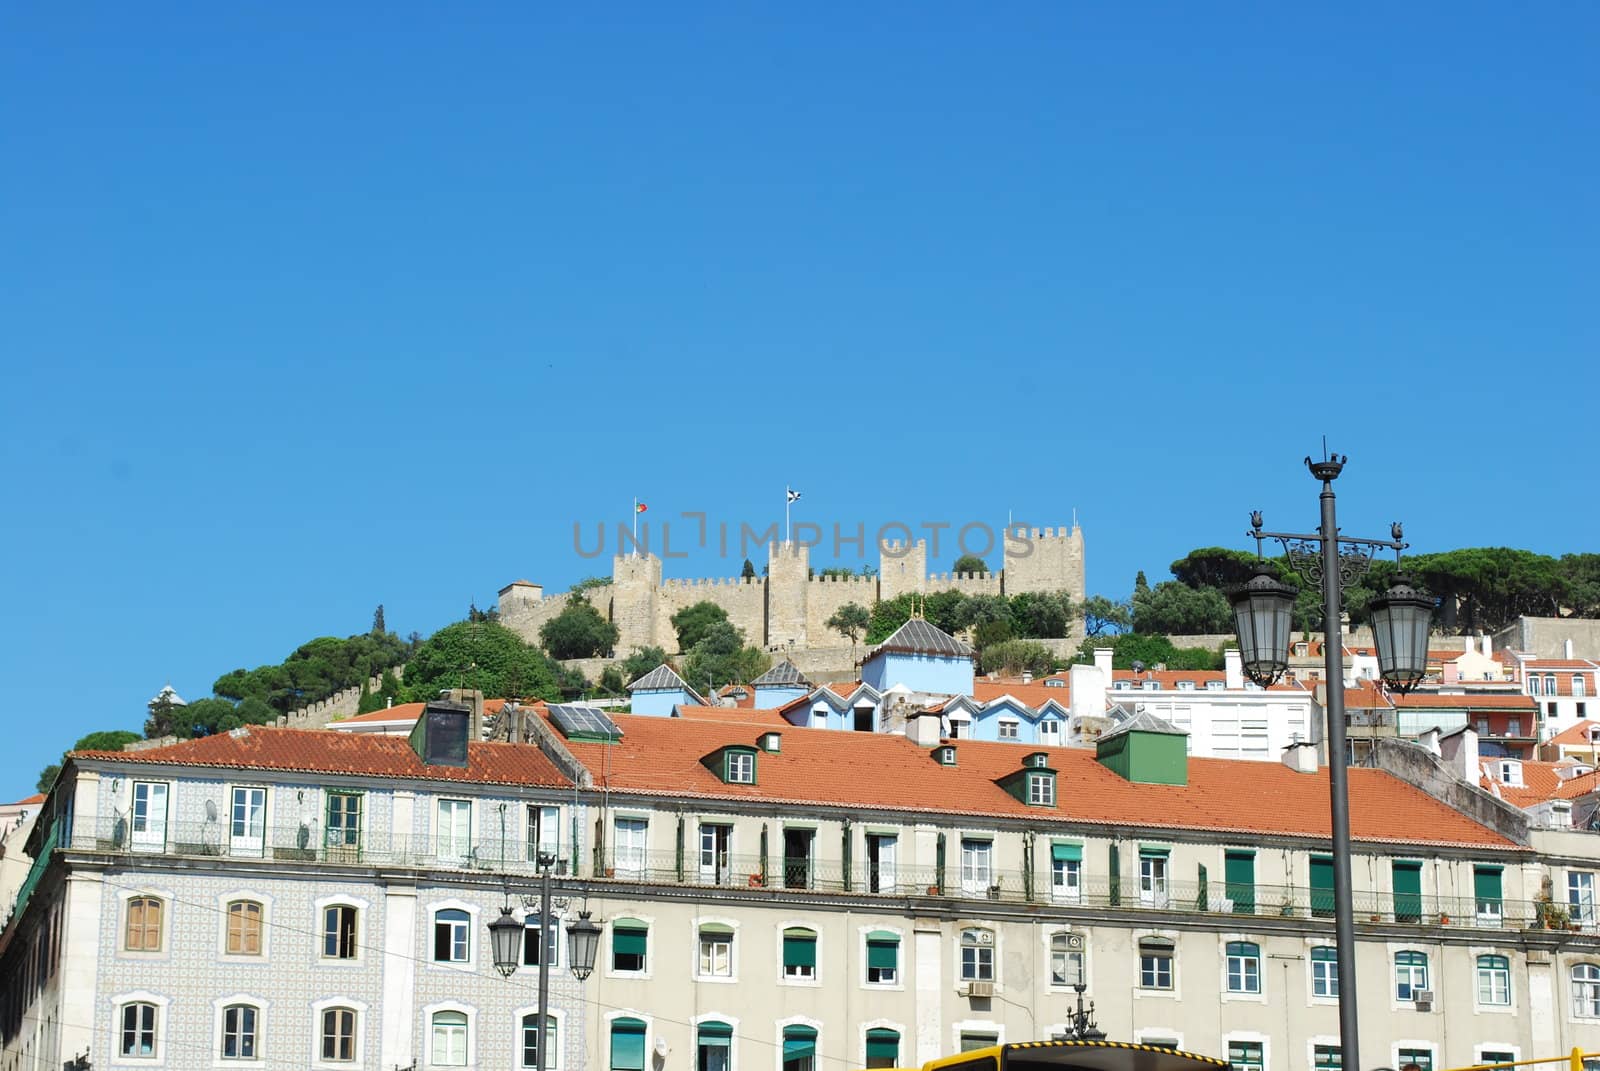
(697, 583)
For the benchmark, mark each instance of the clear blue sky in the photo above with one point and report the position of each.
(306, 308)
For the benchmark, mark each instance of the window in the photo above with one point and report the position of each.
(1066, 959)
(1494, 980)
(629, 937)
(449, 1039)
(1534, 686)
(1325, 972)
(978, 1039)
(799, 1048)
(1153, 877)
(138, 1030)
(977, 866)
(1244, 967)
(883, 1048)
(715, 841)
(1549, 689)
(714, 1046)
(741, 768)
(244, 928)
(960, 729)
(1410, 974)
(1042, 790)
(800, 953)
(530, 1038)
(1326, 1058)
(1245, 1055)
(338, 1035)
(533, 947)
(883, 958)
(455, 831)
(881, 851)
(544, 832)
(149, 819)
(1066, 872)
(1008, 729)
(1423, 1058)
(1578, 685)
(716, 951)
(1580, 895)
(1487, 892)
(977, 955)
(1155, 963)
(1513, 726)
(248, 827)
(627, 1045)
(452, 936)
(1050, 732)
(239, 1032)
(1586, 990)
(344, 824)
(143, 932)
(797, 858)
(630, 856)
(339, 932)
(1496, 1056)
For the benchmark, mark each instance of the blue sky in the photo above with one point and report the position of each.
(308, 308)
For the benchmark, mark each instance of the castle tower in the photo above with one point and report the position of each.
(902, 568)
(634, 583)
(788, 576)
(1045, 560)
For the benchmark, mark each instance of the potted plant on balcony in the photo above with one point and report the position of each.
(1551, 915)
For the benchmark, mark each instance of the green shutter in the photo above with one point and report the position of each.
(1407, 891)
(883, 1045)
(1486, 886)
(680, 849)
(1322, 885)
(799, 1043)
(799, 948)
(627, 1045)
(938, 862)
(1239, 877)
(627, 941)
(849, 852)
(1154, 851)
(764, 854)
(1202, 900)
(719, 1034)
(1066, 853)
(1116, 877)
(883, 954)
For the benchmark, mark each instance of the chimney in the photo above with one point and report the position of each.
(1488, 645)
(1086, 691)
(1301, 756)
(1233, 668)
(1102, 661)
(1430, 740)
(1459, 749)
(1027, 676)
(922, 727)
(1566, 649)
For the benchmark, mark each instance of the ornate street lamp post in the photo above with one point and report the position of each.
(1263, 610)
(506, 934)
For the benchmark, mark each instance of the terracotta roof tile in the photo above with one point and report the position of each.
(829, 767)
(1486, 701)
(317, 751)
(1575, 735)
(741, 715)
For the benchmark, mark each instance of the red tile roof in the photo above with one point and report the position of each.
(767, 718)
(318, 751)
(1540, 783)
(36, 798)
(1034, 694)
(1575, 735)
(410, 712)
(662, 757)
(1558, 663)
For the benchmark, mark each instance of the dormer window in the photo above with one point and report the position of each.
(1123, 686)
(1510, 772)
(1041, 789)
(1054, 682)
(733, 765)
(945, 756)
(1214, 686)
(1038, 758)
(771, 741)
(1151, 686)
(1301, 649)
(1186, 686)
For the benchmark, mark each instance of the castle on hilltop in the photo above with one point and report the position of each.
(789, 608)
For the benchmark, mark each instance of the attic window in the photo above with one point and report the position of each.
(1122, 686)
(1214, 686)
(1511, 772)
(1151, 686)
(1300, 650)
(945, 756)
(739, 766)
(1055, 682)
(771, 741)
(1186, 686)
(1041, 789)
(1037, 758)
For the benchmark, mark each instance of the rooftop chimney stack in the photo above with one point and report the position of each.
(923, 727)
(1233, 669)
(1301, 756)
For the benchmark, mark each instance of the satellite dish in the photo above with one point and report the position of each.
(211, 810)
(1138, 667)
(662, 1048)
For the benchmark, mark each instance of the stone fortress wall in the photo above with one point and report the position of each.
(788, 609)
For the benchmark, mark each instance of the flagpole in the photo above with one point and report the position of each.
(788, 500)
(635, 526)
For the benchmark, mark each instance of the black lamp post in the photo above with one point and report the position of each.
(506, 934)
(1082, 1027)
(1263, 608)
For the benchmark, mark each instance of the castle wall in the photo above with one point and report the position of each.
(635, 582)
(744, 600)
(788, 570)
(824, 595)
(966, 583)
(1051, 559)
(902, 568)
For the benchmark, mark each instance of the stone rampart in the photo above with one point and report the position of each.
(339, 705)
(824, 595)
(744, 600)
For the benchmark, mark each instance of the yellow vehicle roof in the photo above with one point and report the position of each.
(1082, 1056)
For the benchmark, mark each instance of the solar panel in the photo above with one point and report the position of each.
(574, 720)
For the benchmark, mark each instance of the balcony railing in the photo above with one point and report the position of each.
(303, 844)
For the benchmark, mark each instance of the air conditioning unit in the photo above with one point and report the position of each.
(980, 989)
(1424, 999)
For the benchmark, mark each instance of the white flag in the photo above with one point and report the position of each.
(794, 496)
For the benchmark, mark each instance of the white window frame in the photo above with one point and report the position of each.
(649, 923)
(1041, 789)
(162, 1006)
(361, 908)
(219, 1010)
(977, 865)
(1581, 896)
(558, 1021)
(604, 1061)
(469, 1039)
(630, 855)
(807, 980)
(741, 768)
(888, 872)
(863, 934)
(147, 832)
(799, 1020)
(1051, 952)
(980, 961)
(1586, 989)
(1154, 887)
(1331, 974)
(1247, 1037)
(731, 976)
(1411, 969)
(543, 837)
(357, 1037)
(472, 931)
(1478, 972)
(224, 900)
(126, 898)
(1228, 992)
(247, 825)
(1066, 880)
(453, 845)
